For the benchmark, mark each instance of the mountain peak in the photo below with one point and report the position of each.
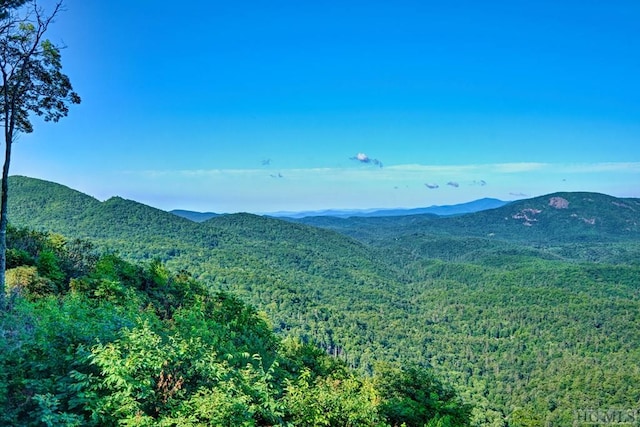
(581, 212)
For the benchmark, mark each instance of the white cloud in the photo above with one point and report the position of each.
(363, 158)
(633, 167)
(516, 167)
(408, 170)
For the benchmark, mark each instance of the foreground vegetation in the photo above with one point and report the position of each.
(91, 339)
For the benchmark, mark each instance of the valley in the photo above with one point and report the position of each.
(529, 310)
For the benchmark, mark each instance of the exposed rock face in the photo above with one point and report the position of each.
(528, 215)
(559, 203)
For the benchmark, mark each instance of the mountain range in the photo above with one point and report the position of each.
(457, 209)
(446, 210)
(530, 309)
(552, 215)
(560, 217)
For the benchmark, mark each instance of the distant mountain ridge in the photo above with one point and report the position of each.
(444, 210)
(561, 217)
(574, 217)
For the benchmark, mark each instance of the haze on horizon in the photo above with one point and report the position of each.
(282, 106)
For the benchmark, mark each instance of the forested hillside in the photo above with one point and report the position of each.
(554, 218)
(530, 310)
(567, 226)
(92, 340)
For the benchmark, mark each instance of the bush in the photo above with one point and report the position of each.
(26, 281)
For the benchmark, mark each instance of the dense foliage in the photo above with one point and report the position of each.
(92, 339)
(528, 322)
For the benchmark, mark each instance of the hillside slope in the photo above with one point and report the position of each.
(47, 204)
(291, 271)
(143, 233)
(93, 340)
(570, 226)
(559, 217)
(523, 322)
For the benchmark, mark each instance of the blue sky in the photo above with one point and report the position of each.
(285, 105)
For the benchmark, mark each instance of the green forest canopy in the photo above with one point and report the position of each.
(91, 339)
(528, 332)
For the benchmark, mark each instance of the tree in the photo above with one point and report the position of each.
(7, 5)
(32, 83)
